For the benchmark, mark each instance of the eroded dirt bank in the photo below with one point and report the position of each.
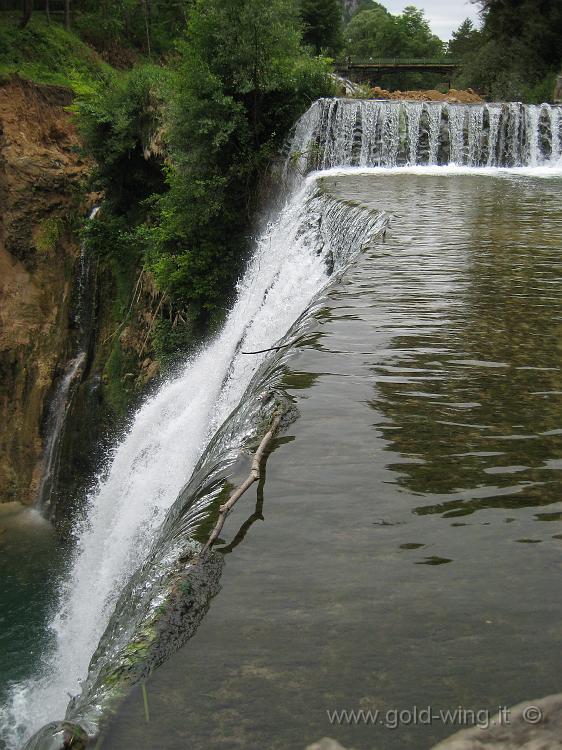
(42, 177)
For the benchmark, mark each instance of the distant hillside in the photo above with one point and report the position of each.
(46, 53)
(350, 7)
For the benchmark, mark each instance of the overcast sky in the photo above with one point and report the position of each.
(444, 15)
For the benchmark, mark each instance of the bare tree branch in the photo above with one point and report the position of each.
(254, 475)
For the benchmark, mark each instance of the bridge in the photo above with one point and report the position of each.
(366, 71)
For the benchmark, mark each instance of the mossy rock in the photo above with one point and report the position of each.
(59, 735)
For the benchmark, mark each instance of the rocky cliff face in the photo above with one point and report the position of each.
(43, 201)
(41, 198)
(349, 7)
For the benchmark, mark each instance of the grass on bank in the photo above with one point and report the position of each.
(46, 53)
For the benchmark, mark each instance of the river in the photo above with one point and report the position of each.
(405, 546)
(410, 553)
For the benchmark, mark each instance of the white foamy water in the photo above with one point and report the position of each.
(168, 434)
(151, 464)
(373, 133)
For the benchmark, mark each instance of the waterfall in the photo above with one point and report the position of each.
(55, 423)
(137, 547)
(414, 116)
(60, 402)
(373, 133)
(494, 114)
(434, 115)
(128, 522)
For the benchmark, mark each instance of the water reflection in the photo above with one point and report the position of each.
(471, 383)
(411, 543)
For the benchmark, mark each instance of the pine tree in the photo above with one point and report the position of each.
(463, 40)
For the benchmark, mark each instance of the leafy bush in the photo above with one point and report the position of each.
(48, 234)
(541, 91)
(120, 123)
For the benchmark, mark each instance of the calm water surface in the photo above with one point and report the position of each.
(406, 550)
(30, 557)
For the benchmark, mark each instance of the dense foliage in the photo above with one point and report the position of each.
(241, 81)
(146, 25)
(322, 21)
(517, 53)
(237, 82)
(374, 33)
(47, 53)
(149, 26)
(120, 121)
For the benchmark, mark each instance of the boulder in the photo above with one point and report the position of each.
(531, 725)
(326, 743)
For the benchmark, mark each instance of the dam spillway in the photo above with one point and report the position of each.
(414, 303)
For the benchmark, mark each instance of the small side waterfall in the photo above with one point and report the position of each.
(55, 423)
(62, 396)
(372, 133)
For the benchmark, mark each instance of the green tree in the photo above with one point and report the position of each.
(464, 40)
(322, 21)
(373, 33)
(241, 81)
(519, 50)
(377, 33)
(417, 39)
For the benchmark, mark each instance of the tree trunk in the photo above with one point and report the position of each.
(26, 11)
(67, 15)
(146, 6)
(48, 11)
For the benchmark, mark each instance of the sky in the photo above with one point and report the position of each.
(444, 15)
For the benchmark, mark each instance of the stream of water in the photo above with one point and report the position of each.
(411, 538)
(407, 545)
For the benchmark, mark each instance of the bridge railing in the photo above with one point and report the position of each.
(397, 61)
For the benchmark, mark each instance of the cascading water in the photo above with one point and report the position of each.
(137, 546)
(57, 415)
(64, 392)
(313, 237)
(342, 132)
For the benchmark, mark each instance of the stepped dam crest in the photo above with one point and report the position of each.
(134, 591)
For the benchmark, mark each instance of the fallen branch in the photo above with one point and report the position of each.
(253, 476)
(150, 327)
(136, 295)
(271, 349)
